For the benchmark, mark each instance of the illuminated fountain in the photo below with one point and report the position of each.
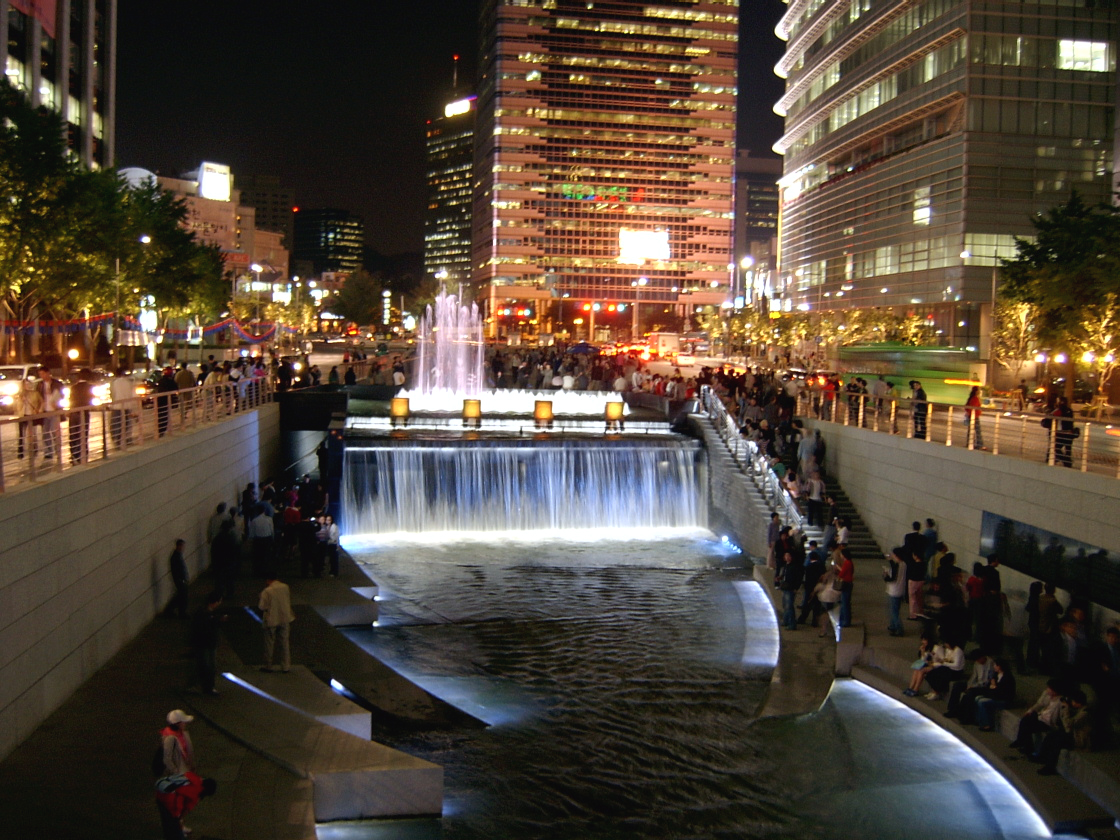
(451, 367)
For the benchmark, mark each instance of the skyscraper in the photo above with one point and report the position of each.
(63, 55)
(447, 225)
(329, 240)
(605, 156)
(922, 136)
(272, 201)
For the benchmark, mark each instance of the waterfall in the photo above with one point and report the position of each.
(521, 485)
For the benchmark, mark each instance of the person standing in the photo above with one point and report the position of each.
(261, 533)
(1064, 432)
(50, 392)
(275, 605)
(121, 392)
(176, 796)
(77, 422)
(846, 574)
(180, 578)
(773, 531)
(331, 539)
(28, 403)
(814, 491)
(164, 388)
(204, 640)
(972, 420)
(919, 408)
(790, 576)
(894, 575)
(178, 751)
(225, 557)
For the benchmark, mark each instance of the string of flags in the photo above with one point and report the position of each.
(55, 326)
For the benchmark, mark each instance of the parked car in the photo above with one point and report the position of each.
(11, 377)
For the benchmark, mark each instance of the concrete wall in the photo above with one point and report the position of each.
(894, 481)
(83, 557)
(735, 507)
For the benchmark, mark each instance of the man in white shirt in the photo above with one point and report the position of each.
(276, 617)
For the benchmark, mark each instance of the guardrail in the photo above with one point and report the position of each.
(1087, 445)
(750, 458)
(37, 446)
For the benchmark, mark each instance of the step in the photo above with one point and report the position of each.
(353, 778)
(301, 690)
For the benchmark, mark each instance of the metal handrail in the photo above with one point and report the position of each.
(1087, 445)
(750, 458)
(38, 445)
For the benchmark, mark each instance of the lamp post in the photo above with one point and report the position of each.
(257, 268)
(636, 329)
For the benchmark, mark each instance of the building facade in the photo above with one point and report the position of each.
(217, 215)
(605, 158)
(328, 239)
(756, 227)
(63, 55)
(273, 204)
(449, 146)
(920, 139)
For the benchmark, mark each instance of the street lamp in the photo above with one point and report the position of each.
(638, 284)
(257, 268)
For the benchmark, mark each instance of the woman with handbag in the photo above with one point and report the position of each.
(827, 592)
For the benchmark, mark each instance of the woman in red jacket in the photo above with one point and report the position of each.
(846, 574)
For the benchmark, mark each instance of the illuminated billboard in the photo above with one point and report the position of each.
(214, 181)
(459, 106)
(636, 247)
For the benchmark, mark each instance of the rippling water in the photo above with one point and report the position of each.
(611, 674)
(619, 704)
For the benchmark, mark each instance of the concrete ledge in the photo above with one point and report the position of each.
(1060, 804)
(353, 778)
(802, 677)
(304, 692)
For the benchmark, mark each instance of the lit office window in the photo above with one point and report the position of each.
(1094, 56)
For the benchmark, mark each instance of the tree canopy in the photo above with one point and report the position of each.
(1070, 274)
(74, 239)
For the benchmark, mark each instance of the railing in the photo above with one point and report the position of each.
(38, 446)
(750, 458)
(1087, 445)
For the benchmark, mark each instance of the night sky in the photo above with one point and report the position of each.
(332, 97)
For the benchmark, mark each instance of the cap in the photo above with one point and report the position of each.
(178, 716)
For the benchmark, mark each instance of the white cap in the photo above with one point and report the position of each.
(178, 716)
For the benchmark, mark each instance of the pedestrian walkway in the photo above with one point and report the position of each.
(84, 773)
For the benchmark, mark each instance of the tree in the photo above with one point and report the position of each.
(1070, 273)
(1013, 334)
(359, 299)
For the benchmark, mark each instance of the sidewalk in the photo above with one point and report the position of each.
(84, 773)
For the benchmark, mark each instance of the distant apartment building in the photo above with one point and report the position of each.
(921, 137)
(328, 239)
(273, 204)
(449, 147)
(605, 158)
(62, 53)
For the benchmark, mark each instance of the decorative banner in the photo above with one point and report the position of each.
(73, 325)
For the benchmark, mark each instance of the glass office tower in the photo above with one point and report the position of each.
(922, 136)
(63, 55)
(447, 224)
(605, 157)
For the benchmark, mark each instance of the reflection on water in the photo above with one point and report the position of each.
(613, 677)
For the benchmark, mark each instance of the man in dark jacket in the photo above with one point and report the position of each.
(178, 567)
(790, 575)
(164, 387)
(204, 640)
